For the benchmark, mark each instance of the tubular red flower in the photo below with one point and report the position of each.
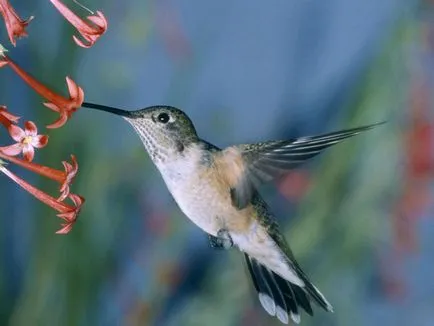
(15, 26)
(90, 32)
(65, 179)
(7, 118)
(64, 106)
(68, 213)
(26, 141)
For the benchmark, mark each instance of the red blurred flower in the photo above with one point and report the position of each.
(68, 213)
(294, 184)
(64, 106)
(65, 179)
(15, 26)
(26, 140)
(168, 25)
(90, 32)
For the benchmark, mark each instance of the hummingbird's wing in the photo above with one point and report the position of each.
(263, 162)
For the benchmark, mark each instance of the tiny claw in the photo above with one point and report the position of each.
(223, 240)
(226, 239)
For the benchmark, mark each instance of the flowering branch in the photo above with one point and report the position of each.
(27, 139)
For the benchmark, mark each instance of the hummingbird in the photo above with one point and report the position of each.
(217, 189)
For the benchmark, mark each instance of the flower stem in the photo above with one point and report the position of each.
(45, 171)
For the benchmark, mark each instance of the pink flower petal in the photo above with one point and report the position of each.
(65, 229)
(64, 192)
(30, 128)
(81, 43)
(12, 150)
(68, 216)
(70, 173)
(72, 87)
(39, 141)
(16, 133)
(75, 93)
(77, 200)
(99, 20)
(52, 106)
(28, 152)
(59, 122)
(80, 97)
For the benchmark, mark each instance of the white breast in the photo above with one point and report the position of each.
(194, 195)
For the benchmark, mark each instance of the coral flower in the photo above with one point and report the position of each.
(58, 103)
(15, 26)
(90, 32)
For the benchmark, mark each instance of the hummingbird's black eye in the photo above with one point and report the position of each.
(163, 117)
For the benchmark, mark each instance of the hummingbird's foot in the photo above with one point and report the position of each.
(223, 240)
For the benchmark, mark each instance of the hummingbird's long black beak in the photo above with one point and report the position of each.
(123, 113)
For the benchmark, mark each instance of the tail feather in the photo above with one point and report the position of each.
(270, 295)
(312, 290)
(280, 297)
(282, 306)
(302, 298)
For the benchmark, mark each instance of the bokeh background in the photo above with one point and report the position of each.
(359, 217)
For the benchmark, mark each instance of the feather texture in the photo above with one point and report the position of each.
(266, 161)
(282, 298)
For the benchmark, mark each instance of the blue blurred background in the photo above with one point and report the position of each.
(359, 217)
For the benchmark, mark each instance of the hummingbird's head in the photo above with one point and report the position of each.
(164, 130)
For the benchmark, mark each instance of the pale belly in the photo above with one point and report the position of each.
(208, 208)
